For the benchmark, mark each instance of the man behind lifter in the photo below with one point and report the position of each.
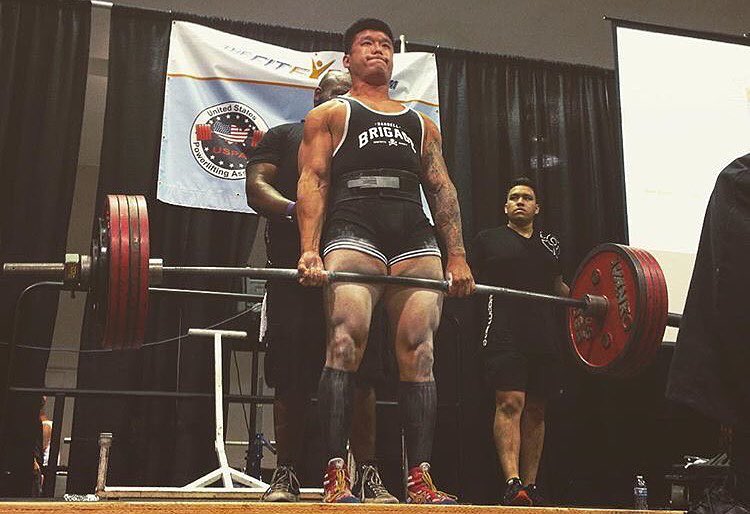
(361, 161)
(519, 352)
(296, 330)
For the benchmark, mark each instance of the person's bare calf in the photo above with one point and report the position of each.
(348, 314)
(509, 406)
(532, 438)
(532, 444)
(414, 316)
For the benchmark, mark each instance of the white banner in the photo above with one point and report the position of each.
(224, 91)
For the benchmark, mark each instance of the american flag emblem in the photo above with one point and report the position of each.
(230, 133)
(222, 135)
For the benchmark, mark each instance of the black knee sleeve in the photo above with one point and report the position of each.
(335, 395)
(418, 405)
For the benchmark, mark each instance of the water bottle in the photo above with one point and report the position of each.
(640, 493)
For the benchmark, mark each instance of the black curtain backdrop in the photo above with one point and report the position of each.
(160, 442)
(501, 117)
(504, 117)
(44, 49)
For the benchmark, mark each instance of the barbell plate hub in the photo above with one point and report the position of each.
(596, 306)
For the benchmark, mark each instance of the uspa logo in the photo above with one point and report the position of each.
(221, 137)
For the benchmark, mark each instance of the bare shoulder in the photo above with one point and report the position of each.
(431, 130)
(327, 113)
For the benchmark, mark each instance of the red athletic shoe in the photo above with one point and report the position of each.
(537, 500)
(336, 488)
(515, 494)
(422, 490)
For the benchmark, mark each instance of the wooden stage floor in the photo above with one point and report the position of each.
(249, 507)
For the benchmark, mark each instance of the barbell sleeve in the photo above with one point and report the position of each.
(39, 269)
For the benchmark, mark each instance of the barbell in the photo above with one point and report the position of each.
(616, 317)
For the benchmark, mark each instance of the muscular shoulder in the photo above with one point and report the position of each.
(429, 125)
(326, 113)
(432, 143)
(431, 130)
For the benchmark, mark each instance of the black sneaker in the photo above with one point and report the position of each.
(537, 500)
(515, 493)
(718, 500)
(369, 487)
(284, 486)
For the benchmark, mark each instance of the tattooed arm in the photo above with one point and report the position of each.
(443, 200)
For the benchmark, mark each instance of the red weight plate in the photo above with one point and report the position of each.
(641, 346)
(111, 325)
(144, 266)
(123, 271)
(641, 350)
(664, 308)
(652, 344)
(134, 277)
(603, 344)
(657, 312)
(640, 327)
(662, 285)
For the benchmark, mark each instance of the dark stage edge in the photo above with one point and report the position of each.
(243, 507)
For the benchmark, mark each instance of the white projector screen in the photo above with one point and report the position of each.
(685, 113)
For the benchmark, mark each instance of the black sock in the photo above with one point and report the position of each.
(335, 394)
(418, 405)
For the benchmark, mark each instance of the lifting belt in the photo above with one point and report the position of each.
(376, 183)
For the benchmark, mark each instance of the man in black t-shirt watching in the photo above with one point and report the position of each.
(295, 330)
(519, 353)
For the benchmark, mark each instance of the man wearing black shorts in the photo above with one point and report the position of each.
(362, 160)
(519, 352)
(295, 331)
